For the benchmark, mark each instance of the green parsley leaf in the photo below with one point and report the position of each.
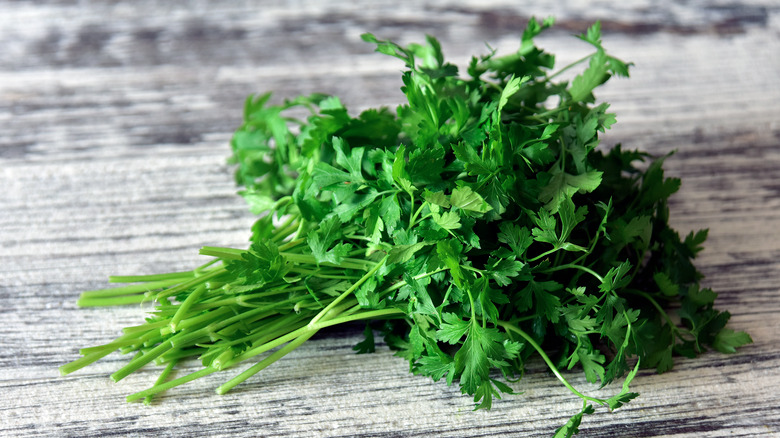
(727, 340)
(460, 225)
(466, 199)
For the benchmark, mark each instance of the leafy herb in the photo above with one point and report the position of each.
(476, 227)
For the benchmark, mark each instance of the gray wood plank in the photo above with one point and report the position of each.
(114, 122)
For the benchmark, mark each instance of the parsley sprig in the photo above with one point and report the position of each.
(476, 227)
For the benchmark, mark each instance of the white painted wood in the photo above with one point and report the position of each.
(114, 122)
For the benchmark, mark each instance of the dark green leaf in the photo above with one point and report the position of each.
(367, 344)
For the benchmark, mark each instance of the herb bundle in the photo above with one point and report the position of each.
(476, 227)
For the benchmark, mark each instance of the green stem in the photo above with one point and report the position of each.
(488, 178)
(544, 116)
(306, 332)
(222, 253)
(347, 292)
(285, 230)
(138, 362)
(145, 327)
(130, 290)
(548, 361)
(184, 307)
(254, 369)
(423, 218)
(96, 354)
(156, 389)
(542, 255)
(292, 244)
(580, 267)
(198, 320)
(262, 347)
(150, 278)
(288, 223)
(111, 346)
(676, 330)
(84, 361)
(191, 283)
(260, 336)
(318, 274)
(243, 318)
(402, 283)
(161, 379)
(116, 301)
(570, 66)
(347, 263)
(411, 208)
(416, 213)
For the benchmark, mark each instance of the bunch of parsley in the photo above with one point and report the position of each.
(475, 228)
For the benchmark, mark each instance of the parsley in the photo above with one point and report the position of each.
(475, 227)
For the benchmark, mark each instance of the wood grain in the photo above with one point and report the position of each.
(114, 123)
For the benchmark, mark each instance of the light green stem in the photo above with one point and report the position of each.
(161, 379)
(184, 307)
(548, 361)
(347, 292)
(156, 389)
(254, 369)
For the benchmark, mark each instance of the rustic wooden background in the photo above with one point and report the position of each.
(114, 123)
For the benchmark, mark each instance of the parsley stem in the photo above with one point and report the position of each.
(262, 347)
(284, 230)
(276, 327)
(140, 361)
(319, 274)
(185, 305)
(426, 217)
(543, 255)
(244, 318)
(348, 263)
(111, 346)
(399, 284)
(295, 339)
(156, 389)
(181, 287)
(222, 253)
(198, 320)
(369, 314)
(115, 301)
(544, 116)
(144, 327)
(131, 289)
(412, 220)
(265, 346)
(178, 355)
(580, 267)
(289, 221)
(676, 330)
(148, 339)
(292, 244)
(84, 361)
(488, 178)
(243, 299)
(177, 276)
(411, 208)
(254, 369)
(161, 379)
(569, 66)
(548, 361)
(347, 292)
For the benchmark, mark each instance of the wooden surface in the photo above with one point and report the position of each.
(114, 122)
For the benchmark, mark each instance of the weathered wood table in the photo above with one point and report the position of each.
(114, 124)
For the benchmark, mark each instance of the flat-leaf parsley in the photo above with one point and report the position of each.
(476, 227)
